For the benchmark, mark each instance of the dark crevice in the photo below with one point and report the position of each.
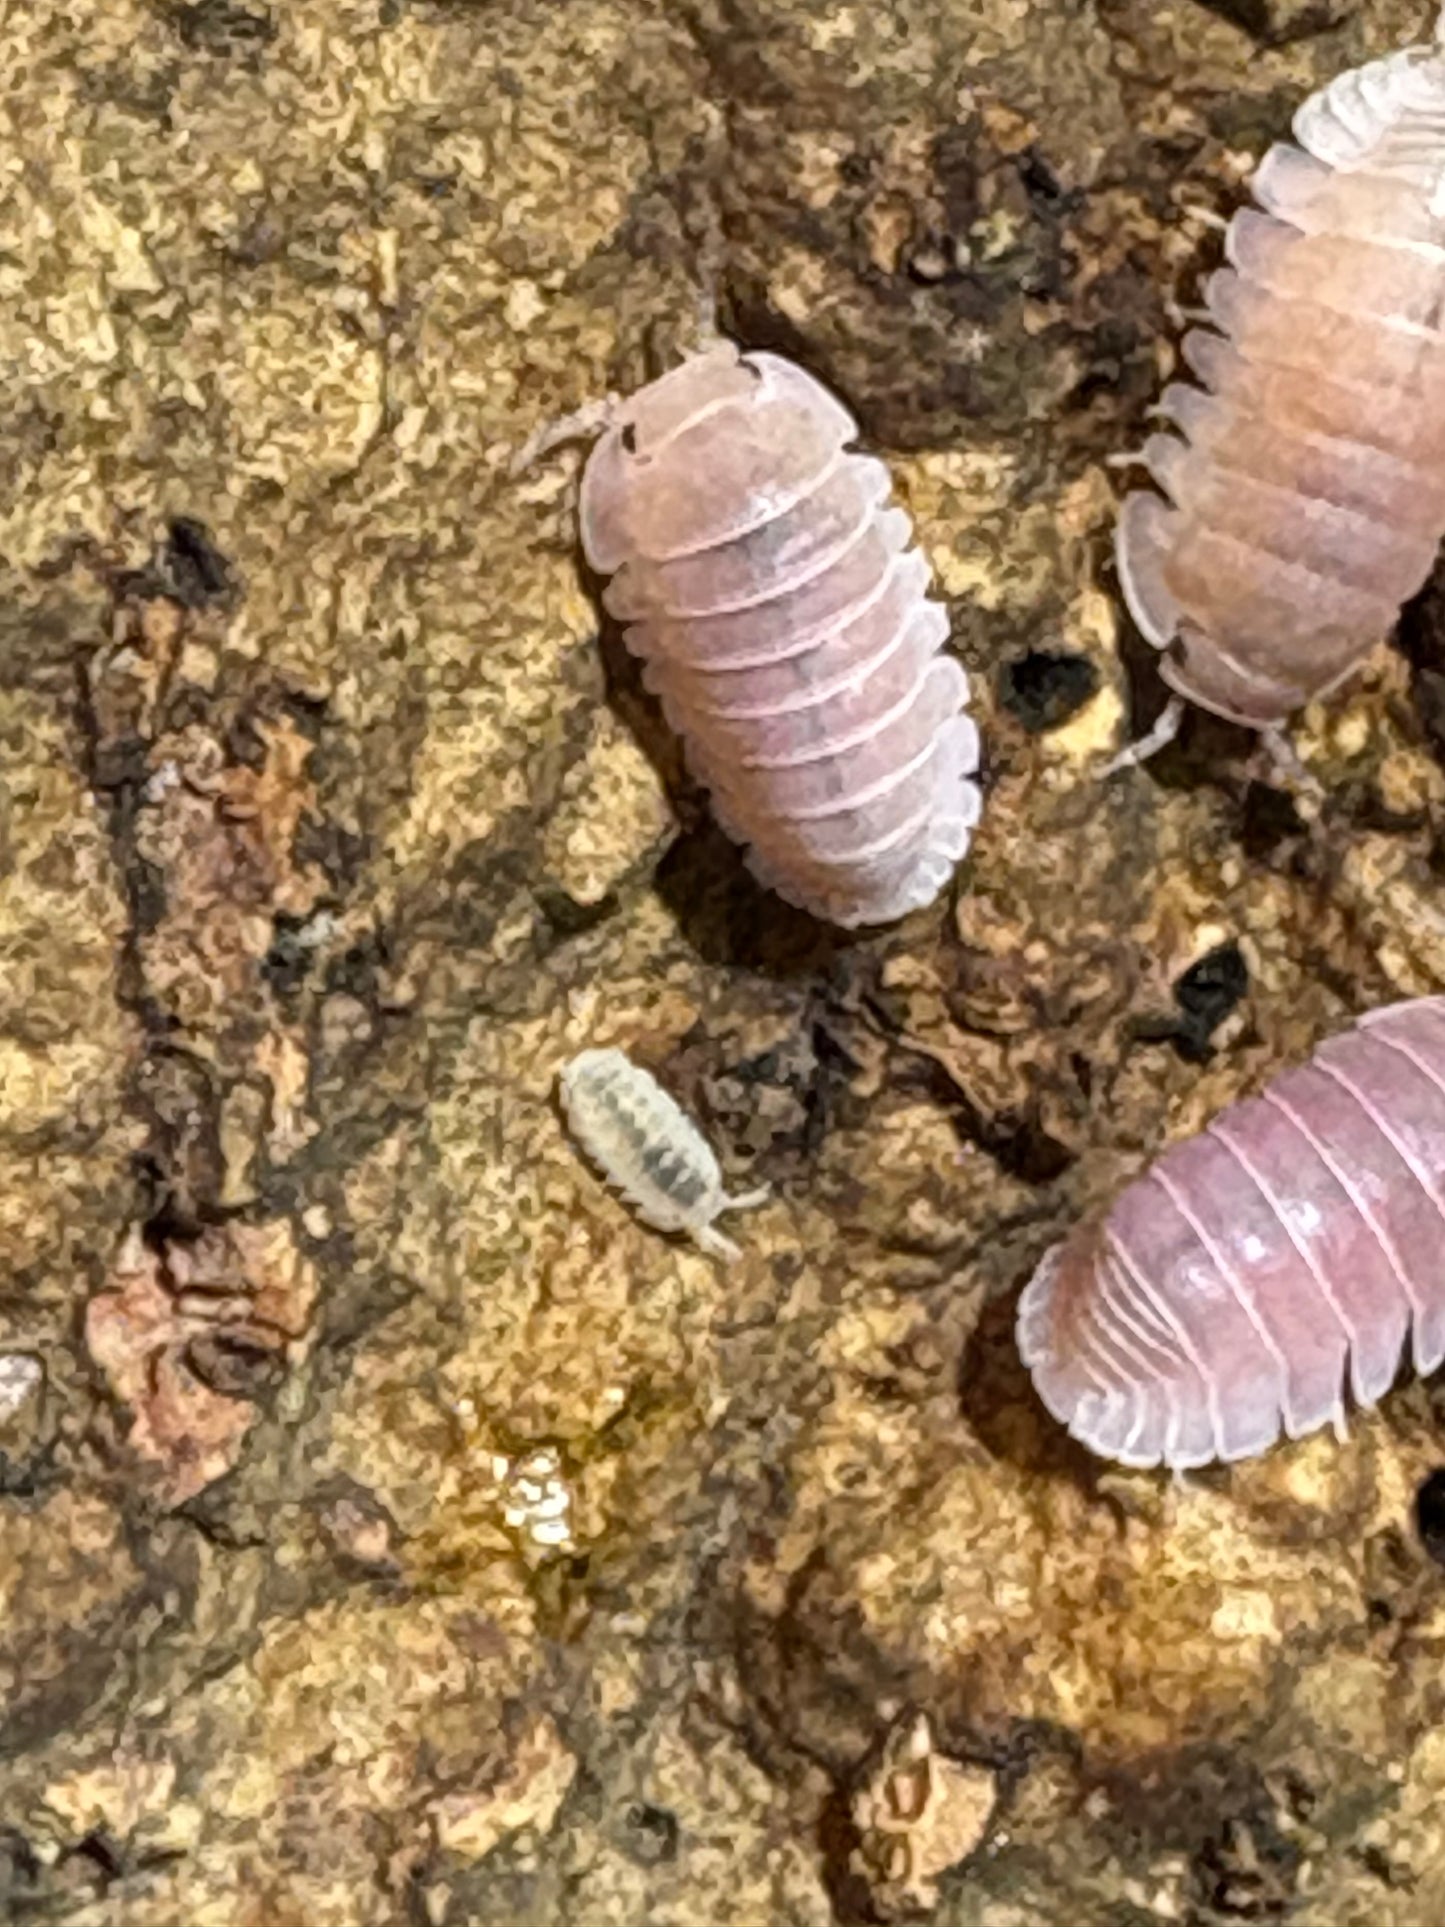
(1044, 688)
(1430, 1515)
(1207, 992)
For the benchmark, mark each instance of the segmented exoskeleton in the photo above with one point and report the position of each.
(1306, 483)
(1228, 1294)
(648, 1148)
(786, 627)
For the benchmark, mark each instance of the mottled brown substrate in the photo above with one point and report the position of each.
(321, 850)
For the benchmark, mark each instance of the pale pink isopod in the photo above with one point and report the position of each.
(1306, 485)
(1224, 1295)
(785, 625)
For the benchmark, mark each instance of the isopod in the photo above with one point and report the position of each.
(784, 622)
(1306, 483)
(649, 1148)
(1224, 1295)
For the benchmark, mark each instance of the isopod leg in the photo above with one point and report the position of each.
(714, 1241)
(1166, 728)
(716, 1244)
(750, 1200)
(706, 325)
(579, 426)
(1284, 759)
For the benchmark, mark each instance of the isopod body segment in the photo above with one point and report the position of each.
(1231, 1292)
(1305, 483)
(648, 1148)
(784, 622)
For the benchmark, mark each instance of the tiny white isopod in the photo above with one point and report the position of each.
(648, 1148)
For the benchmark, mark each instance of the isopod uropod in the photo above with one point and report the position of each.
(1225, 1294)
(1306, 484)
(785, 624)
(649, 1148)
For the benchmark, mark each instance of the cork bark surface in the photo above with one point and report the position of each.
(332, 823)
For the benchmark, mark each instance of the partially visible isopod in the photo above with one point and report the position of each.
(785, 624)
(649, 1148)
(1306, 484)
(1224, 1295)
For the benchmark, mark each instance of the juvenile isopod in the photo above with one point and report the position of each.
(1225, 1294)
(784, 622)
(648, 1148)
(1306, 483)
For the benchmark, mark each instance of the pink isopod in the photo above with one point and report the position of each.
(1223, 1296)
(1306, 484)
(784, 622)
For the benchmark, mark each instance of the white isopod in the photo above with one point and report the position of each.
(784, 620)
(648, 1148)
(1305, 493)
